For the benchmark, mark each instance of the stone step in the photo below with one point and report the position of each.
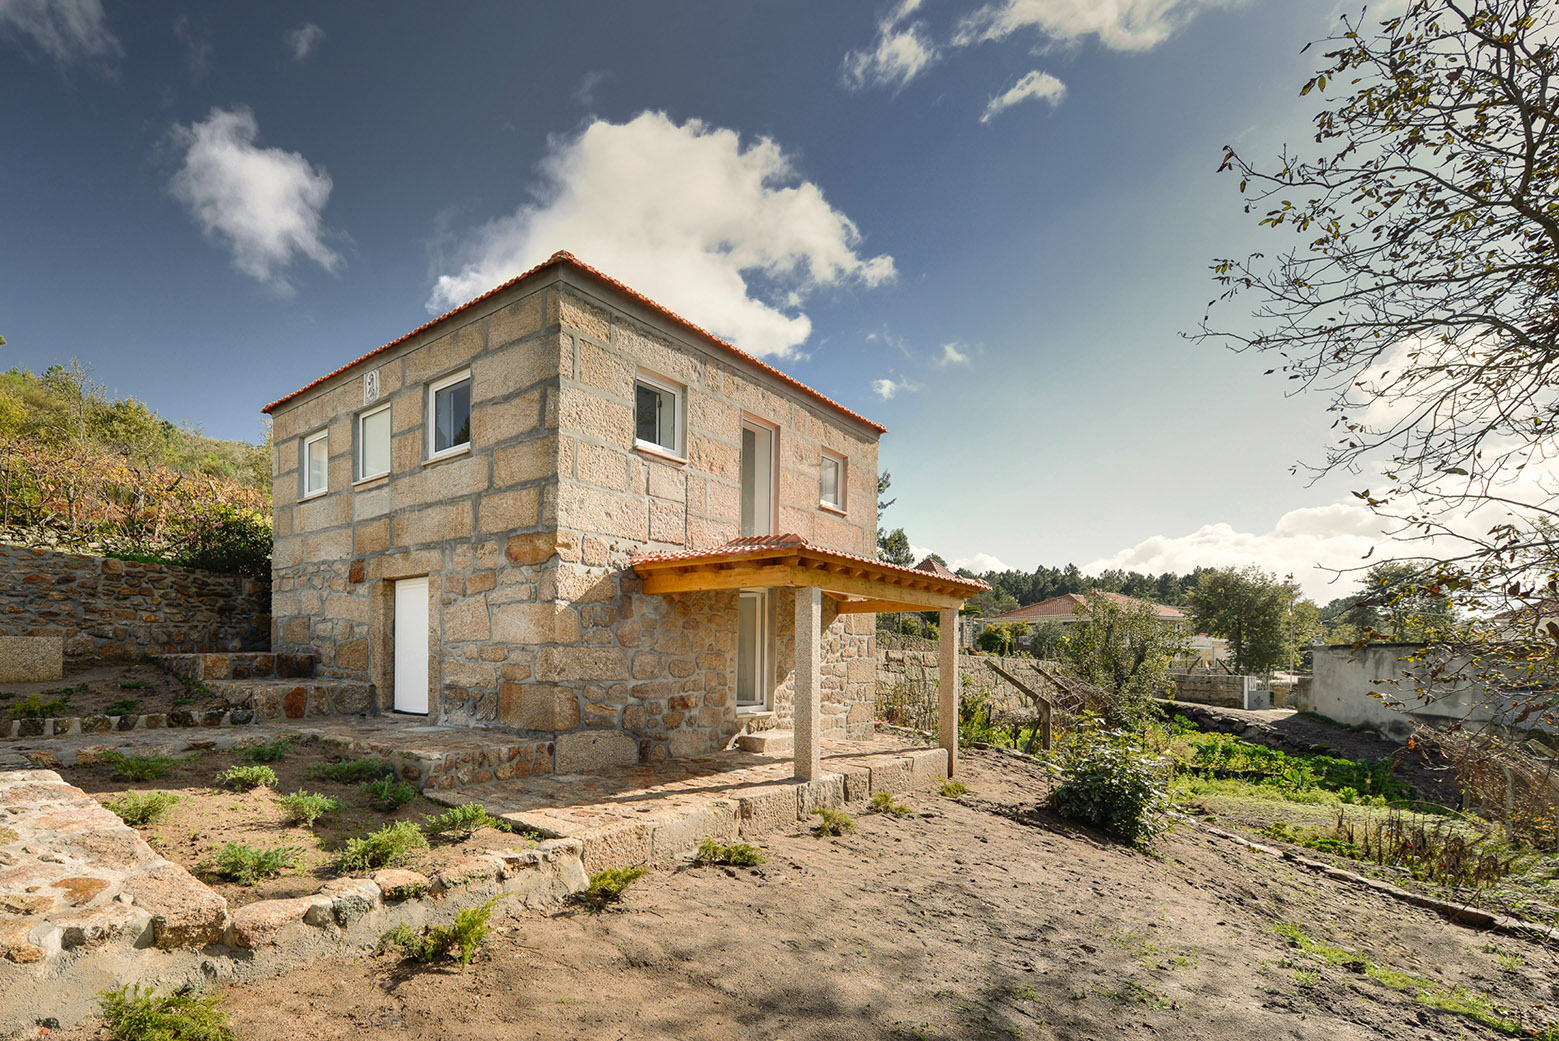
(768, 742)
(272, 698)
(237, 666)
(430, 756)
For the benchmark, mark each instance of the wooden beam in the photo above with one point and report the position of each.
(698, 578)
(883, 607)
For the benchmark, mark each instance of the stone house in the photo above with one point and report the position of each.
(557, 510)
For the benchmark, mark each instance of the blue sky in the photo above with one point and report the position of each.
(983, 224)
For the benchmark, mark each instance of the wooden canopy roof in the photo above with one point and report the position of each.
(859, 584)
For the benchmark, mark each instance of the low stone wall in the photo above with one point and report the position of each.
(1220, 689)
(908, 671)
(116, 609)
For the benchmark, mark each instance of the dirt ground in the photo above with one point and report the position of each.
(207, 817)
(94, 690)
(977, 918)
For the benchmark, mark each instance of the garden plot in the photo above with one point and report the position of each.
(133, 689)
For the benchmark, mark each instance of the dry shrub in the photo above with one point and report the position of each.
(1504, 783)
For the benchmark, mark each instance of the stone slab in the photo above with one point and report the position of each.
(31, 659)
(583, 751)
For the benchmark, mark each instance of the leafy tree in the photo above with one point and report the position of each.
(1251, 609)
(1127, 650)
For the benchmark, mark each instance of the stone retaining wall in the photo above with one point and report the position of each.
(908, 678)
(1220, 689)
(116, 609)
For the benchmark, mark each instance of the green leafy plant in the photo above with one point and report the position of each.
(122, 707)
(460, 822)
(460, 939)
(247, 778)
(883, 802)
(607, 887)
(139, 767)
(303, 807)
(1112, 785)
(739, 855)
(31, 707)
(390, 845)
(388, 794)
(274, 752)
(353, 771)
(954, 789)
(246, 865)
(834, 822)
(140, 808)
(132, 684)
(137, 1014)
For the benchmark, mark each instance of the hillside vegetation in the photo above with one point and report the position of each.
(82, 470)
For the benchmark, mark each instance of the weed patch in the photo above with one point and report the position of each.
(954, 789)
(459, 940)
(388, 794)
(139, 767)
(304, 807)
(31, 707)
(354, 771)
(274, 752)
(246, 865)
(390, 845)
(247, 778)
(740, 855)
(883, 802)
(459, 823)
(122, 707)
(834, 822)
(141, 808)
(134, 1014)
(607, 887)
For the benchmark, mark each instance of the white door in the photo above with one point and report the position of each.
(411, 645)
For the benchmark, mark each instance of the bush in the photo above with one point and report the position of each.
(247, 778)
(390, 845)
(274, 752)
(122, 707)
(222, 537)
(305, 808)
(460, 822)
(32, 708)
(246, 865)
(739, 855)
(134, 1014)
(353, 771)
(138, 808)
(388, 794)
(1115, 787)
(954, 789)
(139, 767)
(834, 822)
(469, 931)
(607, 887)
(883, 802)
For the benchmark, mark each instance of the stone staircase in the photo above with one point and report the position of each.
(272, 686)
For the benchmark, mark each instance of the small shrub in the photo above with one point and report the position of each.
(954, 789)
(140, 808)
(460, 822)
(31, 707)
(132, 684)
(274, 752)
(469, 931)
(246, 865)
(139, 767)
(247, 778)
(180, 702)
(390, 845)
(136, 1014)
(122, 707)
(388, 794)
(607, 887)
(883, 802)
(834, 822)
(353, 771)
(302, 807)
(739, 855)
(1114, 787)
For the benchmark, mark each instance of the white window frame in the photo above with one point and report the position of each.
(761, 666)
(362, 442)
(432, 416)
(678, 448)
(754, 423)
(839, 485)
(309, 442)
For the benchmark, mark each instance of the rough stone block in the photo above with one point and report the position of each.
(184, 912)
(678, 832)
(857, 784)
(827, 790)
(351, 898)
(761, 810)
(31, 659)
(615, 845)
(257, 924)
(399, 883)
(584, 750)
(891, 775)
(928, 766)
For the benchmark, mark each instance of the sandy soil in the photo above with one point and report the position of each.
(207, 817)
(978, 918)
(92, 691)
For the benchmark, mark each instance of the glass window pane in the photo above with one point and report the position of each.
(318, 465)
(650, 408)
(452, 416)
(374, 435)
(747, 651)
(831, 481)
(757, 480)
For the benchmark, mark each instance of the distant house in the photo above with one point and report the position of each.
(1073, 607)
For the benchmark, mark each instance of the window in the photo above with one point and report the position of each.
(752, 641)
(657, 415)
(373, 443)
(316, 464)
(449, 415)
(757, 479)
(831, 481)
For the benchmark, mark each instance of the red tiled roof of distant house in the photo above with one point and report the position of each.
(565, 258)
(1065, 606)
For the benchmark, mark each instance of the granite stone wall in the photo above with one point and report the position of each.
(117, 609)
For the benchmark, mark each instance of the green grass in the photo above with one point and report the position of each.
(390, 845)
(31, 707)
(1223, 757)
(607, 887)
(246, 865)
(139, 767)
(739, 855)
(247, 778)
(303, 807)
(141, 808)
(136, 1014)
(883, 802)
(459, 823)
(834, 822)
(459, 940)
(122, 707)
(132, 684)
(954, 789)
(353, 771)
(274, 752)
(388, 794)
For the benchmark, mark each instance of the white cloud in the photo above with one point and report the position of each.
(1120, 25)
(980, 563)
(685, 214)
(898, 54)
(196, 42)
(264, 204)
(302, 40)
(1032, 86)
(952, 355)
(64, 30)
(885, 388)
